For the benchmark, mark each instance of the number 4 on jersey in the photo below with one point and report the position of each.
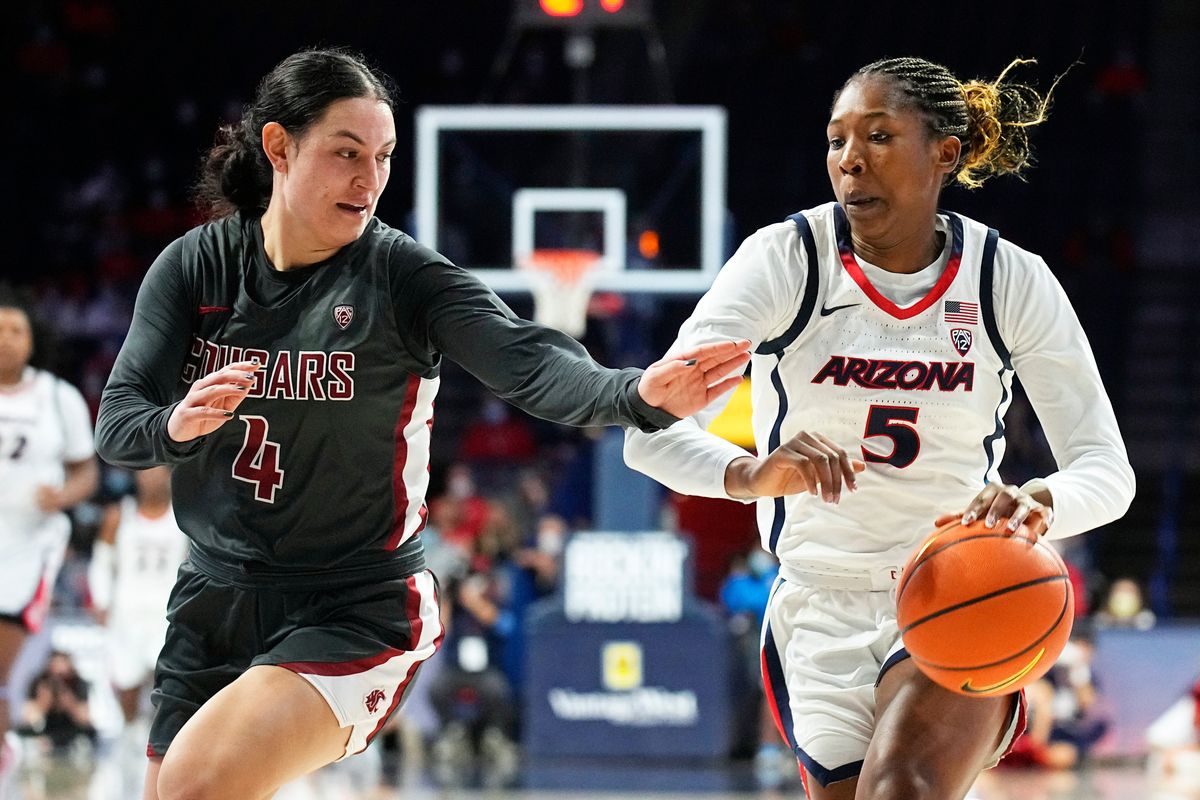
(258, 460)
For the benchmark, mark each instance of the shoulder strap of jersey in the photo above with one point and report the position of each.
(56, 388)
(777, 345)
(986, 304)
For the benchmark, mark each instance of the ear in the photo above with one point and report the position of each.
(275, 141)
(948, 151)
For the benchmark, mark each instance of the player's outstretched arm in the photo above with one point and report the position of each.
(808, 462)
(688, 382)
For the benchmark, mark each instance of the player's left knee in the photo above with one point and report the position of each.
(901, 784)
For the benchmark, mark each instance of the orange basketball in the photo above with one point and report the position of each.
(983, 611)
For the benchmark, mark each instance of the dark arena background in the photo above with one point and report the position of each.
(602, 631)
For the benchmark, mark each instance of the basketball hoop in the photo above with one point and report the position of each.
(562, 281)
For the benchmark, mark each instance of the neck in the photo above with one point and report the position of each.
(288, 248)
(153, 506)
(11, 377)
(907, 254)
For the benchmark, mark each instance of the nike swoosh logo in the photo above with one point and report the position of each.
(1000, 686)
(825, 312)
(212, 309)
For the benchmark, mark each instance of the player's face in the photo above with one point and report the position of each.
(885, 166)
(16, 340)
(338, 169)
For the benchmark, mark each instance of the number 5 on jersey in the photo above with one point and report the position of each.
(258, 460)
(898, 423)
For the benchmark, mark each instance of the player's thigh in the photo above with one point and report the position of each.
(929, 741)
(842, 790)
(262, 730)
(12, 638)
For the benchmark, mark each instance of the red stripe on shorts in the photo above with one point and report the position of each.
(418, 626)
(34, 614)
(342, 667)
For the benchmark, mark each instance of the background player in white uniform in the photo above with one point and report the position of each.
(134, 564)
(889, 332)
(47, 465)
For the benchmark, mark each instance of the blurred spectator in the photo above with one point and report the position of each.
(471, 695)
(1125, 607)
(1174, 742)
(56, 713)
(477, 692)
(743, 596)
(498, 437)
(1067, 715)
(459, 514)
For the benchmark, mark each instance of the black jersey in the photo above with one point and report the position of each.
(326, 463)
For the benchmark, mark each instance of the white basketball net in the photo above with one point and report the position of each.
(562, 282)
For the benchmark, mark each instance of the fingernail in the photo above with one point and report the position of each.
(228, 415)
(969, 517)
(1013, 524)
(691, 362)
(241, 388)
(991, 520)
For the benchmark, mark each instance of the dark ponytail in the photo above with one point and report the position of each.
(235, 174)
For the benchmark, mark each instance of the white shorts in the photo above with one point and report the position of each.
(28, 568)
(363, 694)
(824, 651)
(133, 646)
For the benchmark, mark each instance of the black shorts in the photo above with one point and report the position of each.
(359, 646)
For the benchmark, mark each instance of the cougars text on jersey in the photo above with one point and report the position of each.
(303, 375)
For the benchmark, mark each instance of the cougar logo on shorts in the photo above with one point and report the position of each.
(374, 699)
(342, 315)
(962, 340)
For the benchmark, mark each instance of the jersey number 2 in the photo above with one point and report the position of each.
(258, 460)
(898, 423)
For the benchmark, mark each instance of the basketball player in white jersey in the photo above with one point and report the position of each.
(134, 563)
(886, 335)
(47, 465)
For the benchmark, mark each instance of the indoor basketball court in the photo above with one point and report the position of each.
(597, 164)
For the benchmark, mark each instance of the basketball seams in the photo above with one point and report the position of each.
(925, 555)
(1066, 604)
(980, 598)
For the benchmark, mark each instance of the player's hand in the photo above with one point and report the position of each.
(687, 382)
(1005, 503)
(808, 462)
(211, 401)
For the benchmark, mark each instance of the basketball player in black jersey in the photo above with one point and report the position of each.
(283, 359)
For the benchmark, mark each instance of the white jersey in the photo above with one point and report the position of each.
(44, 424)
(911, 373)
(148, 554)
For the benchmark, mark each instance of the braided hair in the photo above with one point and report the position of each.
(991, 119)
(235, 174)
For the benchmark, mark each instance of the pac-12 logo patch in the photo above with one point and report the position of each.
(373, 700)
(343, 315)
(962, 340)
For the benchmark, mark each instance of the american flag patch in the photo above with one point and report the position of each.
(962, 313)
